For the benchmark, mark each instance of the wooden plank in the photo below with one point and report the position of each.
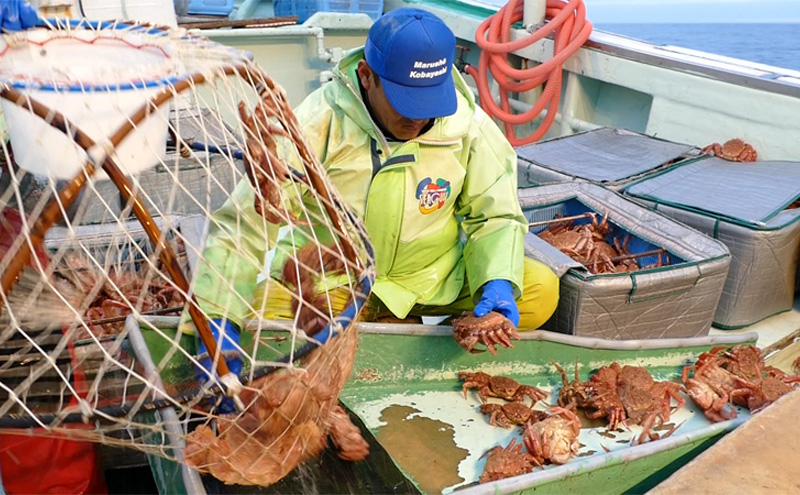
(758, 457)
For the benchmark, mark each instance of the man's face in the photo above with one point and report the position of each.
(400, 127)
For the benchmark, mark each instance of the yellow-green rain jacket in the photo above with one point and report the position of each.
(408, 194)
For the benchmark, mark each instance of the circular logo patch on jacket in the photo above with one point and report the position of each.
(432, 195)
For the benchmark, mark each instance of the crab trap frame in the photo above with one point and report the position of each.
(94, 111)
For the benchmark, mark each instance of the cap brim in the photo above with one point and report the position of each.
(422, 102)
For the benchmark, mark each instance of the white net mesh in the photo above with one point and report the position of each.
(147, 169)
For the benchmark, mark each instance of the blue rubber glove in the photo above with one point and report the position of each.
(229, 350)
(498, 295)
(16, 15)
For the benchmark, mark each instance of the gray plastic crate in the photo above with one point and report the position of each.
(605, 156)
(185, 189)
(674, 300)
(746, 206)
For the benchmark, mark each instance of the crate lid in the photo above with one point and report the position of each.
(750, 193)
(605, 154)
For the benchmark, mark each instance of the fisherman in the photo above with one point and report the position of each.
(407, 147)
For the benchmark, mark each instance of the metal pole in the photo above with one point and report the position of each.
(191, 479)
(533, 12)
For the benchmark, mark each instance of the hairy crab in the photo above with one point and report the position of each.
(573, 393)
(265, 169)
(587, 244)
(288, 417)
(744, 360)
(506, 462)
(554, 438)
(302, 272)
(646, 401)
(499, 386)
(711, 386)
(767, 387)
(489, 330)
(511, 413)
(734, 150)
(604, 400)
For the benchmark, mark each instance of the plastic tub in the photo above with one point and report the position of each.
(211, 7)
(304, 9)
(97, 80)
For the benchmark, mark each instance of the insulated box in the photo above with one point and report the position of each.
(751, 208)
(676, 299)
(605, 156)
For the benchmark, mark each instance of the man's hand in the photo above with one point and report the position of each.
(228, 346)
(16, 15)
(498, 295)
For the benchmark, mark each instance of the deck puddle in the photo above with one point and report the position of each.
(424, 448)
(588, 422)
(606, 434)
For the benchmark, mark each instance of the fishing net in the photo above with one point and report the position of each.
(151, 173)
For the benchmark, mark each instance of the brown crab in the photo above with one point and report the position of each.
(511, 413)
(604, 398)
(647, 402)
(734, 150)
(302, 272)
(489, 330)
(555, 438)
(744, 361)
(573, 393)
(506, 462)
(265, 169)
(766, 389)
(711, 386)
(499, 386)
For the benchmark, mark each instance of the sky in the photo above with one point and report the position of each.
(681, 11)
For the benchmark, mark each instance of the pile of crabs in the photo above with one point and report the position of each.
(622, 395)
(588, 245)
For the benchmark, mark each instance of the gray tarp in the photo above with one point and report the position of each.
(604, 155)
(752, 193)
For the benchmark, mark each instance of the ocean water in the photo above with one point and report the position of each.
(772, 44)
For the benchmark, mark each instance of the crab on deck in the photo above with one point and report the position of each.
(604, 400)
(506, 462)
(572, 393)
(734, 150)
(711, 386)
(499, 386)
(647, 402)
(511, 413)
(554, 438)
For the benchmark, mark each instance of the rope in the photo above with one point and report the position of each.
(567, 20)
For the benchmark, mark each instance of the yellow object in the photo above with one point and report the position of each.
(537, 304)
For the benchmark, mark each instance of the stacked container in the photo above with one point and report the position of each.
(751, 208)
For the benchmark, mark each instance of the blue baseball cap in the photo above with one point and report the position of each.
(412, 52)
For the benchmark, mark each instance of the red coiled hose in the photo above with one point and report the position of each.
(568, 21)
